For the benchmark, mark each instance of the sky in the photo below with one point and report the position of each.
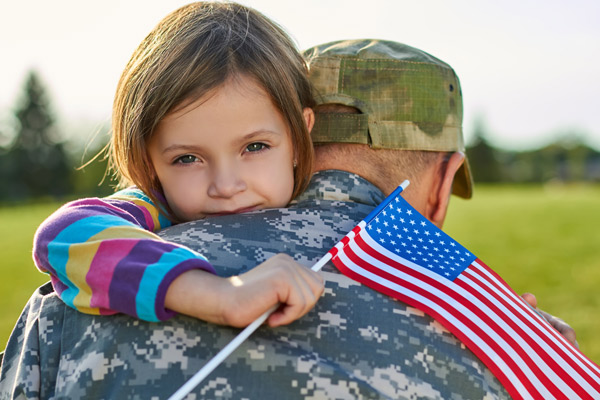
(529, 70)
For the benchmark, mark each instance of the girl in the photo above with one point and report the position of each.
(211, 116)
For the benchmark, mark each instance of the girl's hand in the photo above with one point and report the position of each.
(561, 326)
(279, 280)
(239, 300)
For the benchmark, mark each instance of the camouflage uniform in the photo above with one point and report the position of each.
(355, 344)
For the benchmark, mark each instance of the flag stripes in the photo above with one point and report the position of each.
(527, 355)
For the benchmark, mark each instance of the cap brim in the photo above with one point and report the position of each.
(463, 181)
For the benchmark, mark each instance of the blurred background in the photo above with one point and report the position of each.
(531, 88)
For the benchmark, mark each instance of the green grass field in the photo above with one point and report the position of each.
(539, 239)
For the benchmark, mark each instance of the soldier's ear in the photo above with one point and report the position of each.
(309, 118)
(439, 198)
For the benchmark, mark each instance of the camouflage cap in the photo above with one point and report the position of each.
(409, 100)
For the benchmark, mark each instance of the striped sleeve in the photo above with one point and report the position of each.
(104, 257)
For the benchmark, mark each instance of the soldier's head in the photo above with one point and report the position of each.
(392, 111)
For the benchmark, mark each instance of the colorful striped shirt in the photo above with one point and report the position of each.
(104, 257)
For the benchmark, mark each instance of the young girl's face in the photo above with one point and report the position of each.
(229, 152)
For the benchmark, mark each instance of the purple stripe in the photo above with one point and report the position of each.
(134, 212)
(128, 274)
(59, 287)
(53, 225)
(75, 211)
(163, 313)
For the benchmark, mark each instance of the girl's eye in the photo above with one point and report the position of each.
(252, 147)
(187, 159)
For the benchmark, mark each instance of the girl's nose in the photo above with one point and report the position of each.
(227, 181)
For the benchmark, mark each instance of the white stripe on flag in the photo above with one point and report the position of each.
(583, 362)
(459, 306)
(525, 349)
(448, 316)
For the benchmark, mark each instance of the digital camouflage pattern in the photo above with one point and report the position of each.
(408, 99)
(355, 344)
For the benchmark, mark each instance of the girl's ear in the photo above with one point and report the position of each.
(309, 118)
(439, 198)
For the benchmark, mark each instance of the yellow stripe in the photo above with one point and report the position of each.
(82, 254)
(151, 208)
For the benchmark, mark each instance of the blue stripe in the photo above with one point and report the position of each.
(154, 275)
(137, 193)
(76, 233)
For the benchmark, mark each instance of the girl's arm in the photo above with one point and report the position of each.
(239, 300)
(104, 258)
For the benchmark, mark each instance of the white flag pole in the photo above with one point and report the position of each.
(243, 335)
(231, 346)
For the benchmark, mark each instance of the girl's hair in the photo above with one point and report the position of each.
(192, 51)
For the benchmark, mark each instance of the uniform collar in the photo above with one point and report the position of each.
(336, 185)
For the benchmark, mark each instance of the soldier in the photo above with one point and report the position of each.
(387, 112)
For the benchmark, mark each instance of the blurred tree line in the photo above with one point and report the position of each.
(567, 160)
(36, 162)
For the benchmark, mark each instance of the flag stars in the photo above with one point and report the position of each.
(409, 212)
(385, 223)
(412, 222)
(426, 233)
(437, 234)
(388, 233)
(378, 230)
(405, 229)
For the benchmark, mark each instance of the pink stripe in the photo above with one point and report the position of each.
(102, 268)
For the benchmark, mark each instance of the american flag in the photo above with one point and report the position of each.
(398, 252)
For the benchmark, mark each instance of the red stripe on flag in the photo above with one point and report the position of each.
(500, 372)
(534, 337)
(556, 341)
(529, 360)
